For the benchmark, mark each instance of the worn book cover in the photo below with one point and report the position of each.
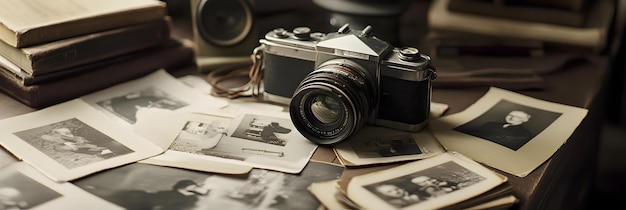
(80, 50)
(28, 80)
(66, 88)
(28, 22)
(592, 35)
(542, 14)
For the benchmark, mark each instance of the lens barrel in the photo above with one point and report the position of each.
(331, 103)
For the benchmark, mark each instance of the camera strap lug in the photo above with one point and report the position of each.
(432, 72)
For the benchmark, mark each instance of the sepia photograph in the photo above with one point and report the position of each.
(329, 196)
(144, 186)
(424, 185)
(17, 191)
(122, 101)
(23, 187)
(72, 143)
(264, 129)
(126, 106)
(327, 192)
(509, 124)
(253, 138)
(388, 146)
(431, 183)
(71, 140)
(508, 131)
(197, 136)
(375, 145)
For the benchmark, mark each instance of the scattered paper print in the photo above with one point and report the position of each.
(23, 187)
(508, 131)
(144, 186)
(157, 90)
(432, 183)
(261, 139)
(71, 140)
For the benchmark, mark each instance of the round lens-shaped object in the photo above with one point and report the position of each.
(331, 103)
(325, 108)
(224, 23)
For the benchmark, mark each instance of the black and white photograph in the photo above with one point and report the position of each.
(264, 129)
(509, 124)
(125, 106)
(158, 90)
(327, 193)
(17, 191)
(424, 185)
(197, 136)
(375, 145)
(387, 146)
(73, 143)
(236, 138)
(509, 131)
(71, 140)
(144, 186)
(431, 183)
(23, 187)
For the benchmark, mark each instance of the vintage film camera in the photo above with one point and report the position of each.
(335, 83)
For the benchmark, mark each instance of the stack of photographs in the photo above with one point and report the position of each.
(446, 181)
(146, 143)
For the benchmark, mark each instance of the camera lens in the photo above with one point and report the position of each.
(332, 102)
(224, 23)
(325, 109)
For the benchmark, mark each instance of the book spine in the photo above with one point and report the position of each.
(72, 28)
(64, 54)
(592, 36)
(519, 12)
(50, 93)
(84, 69)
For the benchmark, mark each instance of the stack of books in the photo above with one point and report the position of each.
(500, 43)
(518, 26)
(54, 51)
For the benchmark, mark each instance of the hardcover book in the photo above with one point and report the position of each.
(76, 51)
(592, 35)
(542, 14)
(28, 22)
(69, 87)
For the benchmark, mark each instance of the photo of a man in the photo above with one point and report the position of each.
(509, 124)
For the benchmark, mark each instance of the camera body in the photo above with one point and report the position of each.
(336, 82)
